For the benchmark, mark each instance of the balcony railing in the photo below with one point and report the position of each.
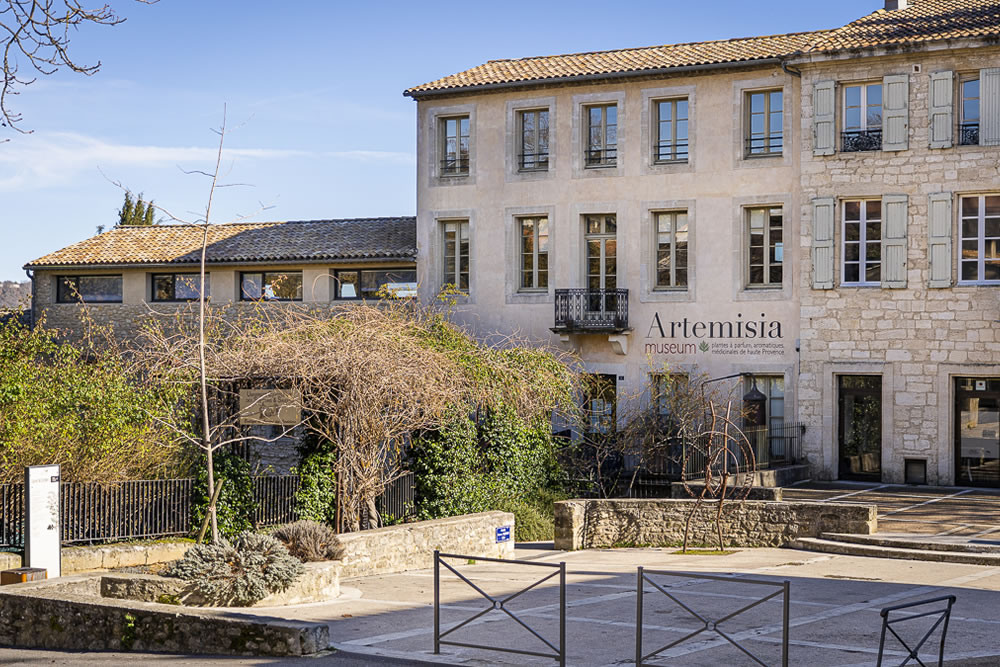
(601, 157)
(454, 166)
(968, 134)
(533, 161)
(854, 141)
(591, 311)
(666, 151)
(772, 144)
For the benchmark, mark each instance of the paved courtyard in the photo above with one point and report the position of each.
(970, 514)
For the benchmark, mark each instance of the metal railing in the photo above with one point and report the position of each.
(943, 616)
(968, 134)
(591, 310)
(454, 166)
(601, 157)
(772, 144)
(94, 512)
(666, 151)
(533, 161)
(708, 625)
(853, 141)
(558, 652)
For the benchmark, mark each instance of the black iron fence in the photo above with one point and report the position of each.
(968, 134)
(853, 141)
(95, 512)
(591, 309)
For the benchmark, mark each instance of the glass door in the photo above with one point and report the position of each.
(602, 266)
(977, 432)
(860, 434)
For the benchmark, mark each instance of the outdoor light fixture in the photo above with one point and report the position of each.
(754, 400)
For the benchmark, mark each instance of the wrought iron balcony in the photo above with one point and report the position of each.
(455, 166)
(601, 157)
(591, 311)
(666, 151)
(533, 161)
(968, 134)
(861, 140)
(765, 146)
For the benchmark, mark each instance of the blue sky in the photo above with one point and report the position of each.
(319, 126)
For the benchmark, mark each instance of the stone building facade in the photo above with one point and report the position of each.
(885, 189)
(923, 339)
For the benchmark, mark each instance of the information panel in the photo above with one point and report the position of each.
(42, 547)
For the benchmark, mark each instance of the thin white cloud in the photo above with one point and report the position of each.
(375, 156)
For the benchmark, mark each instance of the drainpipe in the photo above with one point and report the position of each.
(788, 70)
(31, 310)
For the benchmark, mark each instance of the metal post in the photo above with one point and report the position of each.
(638, 619)
(784, 625)
(562, 614)
(437, 602)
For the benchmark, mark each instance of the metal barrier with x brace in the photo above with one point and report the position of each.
(500, 604)
(944, 615)
(708, 624)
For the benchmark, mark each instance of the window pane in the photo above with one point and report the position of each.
(852, 231)
(186, 286)
(99, 289)
(851, 273)
(873, 231)
(612, 114)
(852, 96)
(283, 286)
(251, 286)
(852, 252)
(970, 110)
(163, 288)
(970, 205)
(852, 210)
(875, 94)
(970, 271)
(873, 209)
(873, 273)
(347, 285)
(775, 101)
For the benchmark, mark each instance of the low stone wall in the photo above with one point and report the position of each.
(76, 560)
(585, 524)
(319, 582)
(679, 491)
(67, 613)
(411, 546)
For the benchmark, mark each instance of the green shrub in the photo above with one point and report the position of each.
(238, 574)
(316, 499)
(235, 507)
(309, 541)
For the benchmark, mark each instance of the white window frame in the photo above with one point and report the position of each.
(539, 164)
(671, 142)
(536, 252)
(863, 243)
(768, 136)
(863, 86)
(605, 161)
(458, 171)
(779, 247)
(674, 217)
(980, 238)
(962, 81)
(455, 278)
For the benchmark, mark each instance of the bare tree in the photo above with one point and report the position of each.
(37, 32)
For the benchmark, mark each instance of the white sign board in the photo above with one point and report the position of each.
(279, 407)
(42, 546)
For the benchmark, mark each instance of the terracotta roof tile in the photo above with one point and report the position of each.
(623, 60)
(922, 21)
(279, 242)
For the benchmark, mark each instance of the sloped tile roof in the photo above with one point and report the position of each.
(622, 60)
(277, 242)
(921, 21)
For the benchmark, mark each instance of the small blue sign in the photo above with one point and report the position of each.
(503, 534)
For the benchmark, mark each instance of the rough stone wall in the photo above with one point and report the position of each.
(917, 338)
(58, 614)
(411, 546)
(588, 524)
(90, 559)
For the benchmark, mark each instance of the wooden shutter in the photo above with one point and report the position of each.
(894, 241)
(989, 107)
(895, 112)
(940, 107)
(822, 243)
(824, 118)
(939, 231)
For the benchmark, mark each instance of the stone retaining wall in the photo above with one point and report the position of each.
(76, 560)
(67, 613)
(585, 524)
(411, 546)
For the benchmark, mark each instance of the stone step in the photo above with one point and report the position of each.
(873, 551)
(915, 542)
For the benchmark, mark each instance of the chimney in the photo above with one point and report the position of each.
(896, 4)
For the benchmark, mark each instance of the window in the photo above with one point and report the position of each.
(456, 254)
(863, 242)
(534, 253)
(862, 118)
(668, 389)
(671, 131)
(773, 387)
(271, 286)
(375, 283)
(600, 404)
(533, 153)
(89, 289)
(179, 286)
(980, 239)
(671, 249)
(602, 136)
(968, 129)
(764, 123)
(455, 146)
(766, 250)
